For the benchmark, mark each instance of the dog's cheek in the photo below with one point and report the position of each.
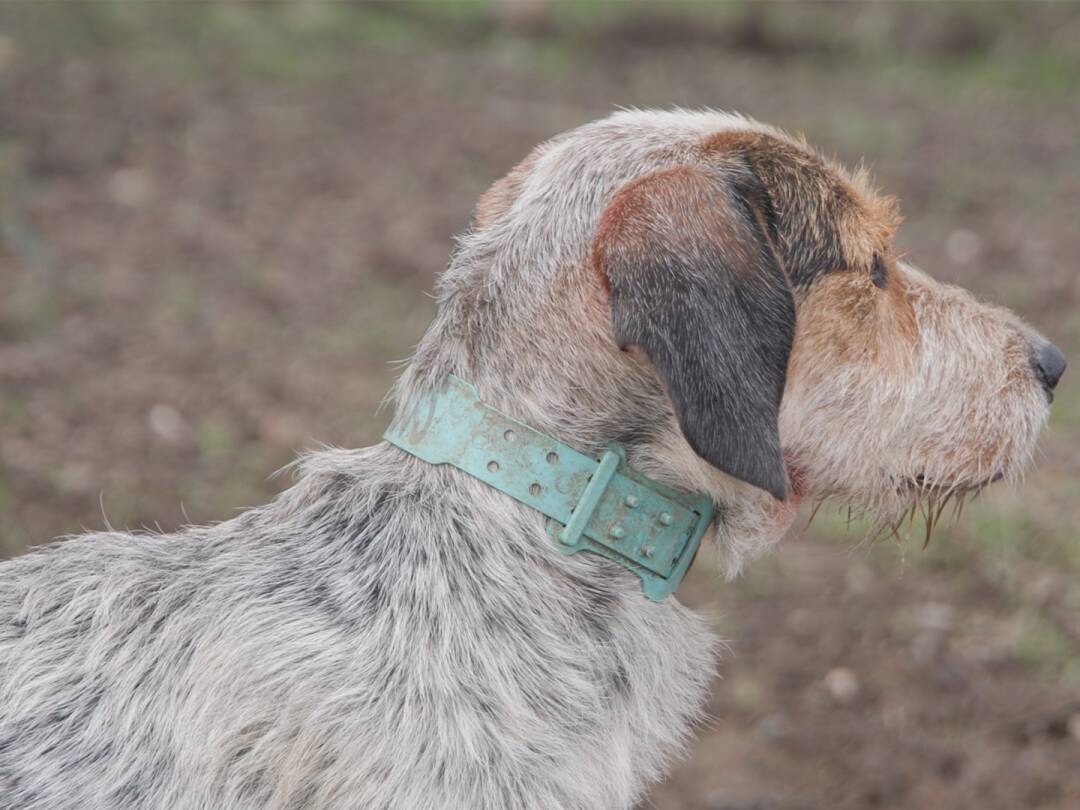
(844, 320)
(854, 357)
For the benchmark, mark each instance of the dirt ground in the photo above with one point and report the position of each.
(217, 224)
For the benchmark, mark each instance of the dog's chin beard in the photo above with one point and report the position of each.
(903, 504)
(894, 509)
(931, 499)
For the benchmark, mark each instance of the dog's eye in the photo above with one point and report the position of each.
(878, 271)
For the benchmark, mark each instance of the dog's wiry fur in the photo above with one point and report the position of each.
(388, 634)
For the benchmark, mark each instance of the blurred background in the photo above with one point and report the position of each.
(218, 222)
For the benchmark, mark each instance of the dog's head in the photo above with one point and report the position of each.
(753, 287)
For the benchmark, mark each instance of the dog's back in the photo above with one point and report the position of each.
(341, 647)
(210, 668)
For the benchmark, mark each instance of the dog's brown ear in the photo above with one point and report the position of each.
(694, 282)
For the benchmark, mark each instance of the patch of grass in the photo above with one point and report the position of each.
(1048, 73)
(836, 524)
(856, 132)
(217, 437)
(944, 49)
(1049, 76)
(1042, 645)
(380, 27)
(1006, 535)
(990, 535)
(291, 41)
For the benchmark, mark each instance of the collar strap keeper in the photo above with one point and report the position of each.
(597, 505)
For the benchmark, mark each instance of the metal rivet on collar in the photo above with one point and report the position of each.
(632, 501)
(617, 532)
(665, 518)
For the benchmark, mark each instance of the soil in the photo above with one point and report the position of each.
(217, 228)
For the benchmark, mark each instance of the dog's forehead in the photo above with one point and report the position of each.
(570, 178)
(634, 142)
(826, 217)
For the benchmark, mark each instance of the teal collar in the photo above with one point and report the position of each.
(602, 506)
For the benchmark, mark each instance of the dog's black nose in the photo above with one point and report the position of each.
(1049, 365)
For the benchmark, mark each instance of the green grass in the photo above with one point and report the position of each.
(991, 536)
(1040, 644)
(986, 46)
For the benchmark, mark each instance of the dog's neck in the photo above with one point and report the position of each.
(602, 506)
(571, 382)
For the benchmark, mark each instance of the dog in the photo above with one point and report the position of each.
(704, 292)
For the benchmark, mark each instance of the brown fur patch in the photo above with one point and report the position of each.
(846, 319)
(826, 219)
(669, 206)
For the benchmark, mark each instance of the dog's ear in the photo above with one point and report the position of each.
(687, 255)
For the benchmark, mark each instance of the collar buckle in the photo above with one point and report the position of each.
(599, 505)
(642, 525)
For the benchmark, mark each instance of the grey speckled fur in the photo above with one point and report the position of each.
(385, 635)
(388, 634)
